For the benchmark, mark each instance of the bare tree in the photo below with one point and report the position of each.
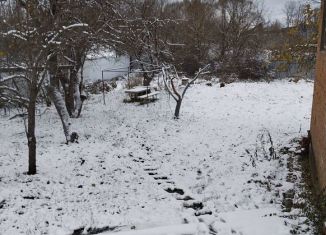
(142, 35)
(102, 20)
(35, 36)
(293, 11)
(27, 51)
(190, 35)
(169, 77)
(299, 47)
(239, 40)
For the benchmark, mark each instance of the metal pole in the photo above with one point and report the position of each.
(128, 76)
(103, 87)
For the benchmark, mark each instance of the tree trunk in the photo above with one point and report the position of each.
(148, 77)
(70, 99)
(60, 106)
(53, 89)
(147, 80)
(75, 98)
(83, 96)
(31, 134)
(64, 81)
(177, 109)
(70, 84)
(75, 93)
(57, 97)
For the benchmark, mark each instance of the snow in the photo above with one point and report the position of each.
(195, 229)
(251, 222)
(129, 155)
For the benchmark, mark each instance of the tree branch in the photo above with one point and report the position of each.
(200, 72)
(166, 85)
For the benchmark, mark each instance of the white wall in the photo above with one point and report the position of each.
(93, 67)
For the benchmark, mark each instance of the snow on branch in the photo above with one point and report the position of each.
(55, 42)
(69, 59)
(75, 26)
(16, 97)
(12, 77)
(9, 89)
(176, 44)
(22, 67)
(16, 34)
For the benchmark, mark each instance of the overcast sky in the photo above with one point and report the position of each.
(274, 8)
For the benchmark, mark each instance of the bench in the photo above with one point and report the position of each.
(152, 95)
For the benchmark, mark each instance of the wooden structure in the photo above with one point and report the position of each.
(137, 91)
(142, 93)
(149, 96)
(318, 117)
(184, 81)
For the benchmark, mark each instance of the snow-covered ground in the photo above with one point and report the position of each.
(136, 168)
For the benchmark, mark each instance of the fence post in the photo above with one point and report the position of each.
(103, 87)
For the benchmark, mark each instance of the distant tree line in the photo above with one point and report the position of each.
(296, 43)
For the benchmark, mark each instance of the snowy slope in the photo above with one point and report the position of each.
(135, 165)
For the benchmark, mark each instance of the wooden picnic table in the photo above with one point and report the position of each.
(137, 91)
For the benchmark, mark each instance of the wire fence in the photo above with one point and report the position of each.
(128, 71)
